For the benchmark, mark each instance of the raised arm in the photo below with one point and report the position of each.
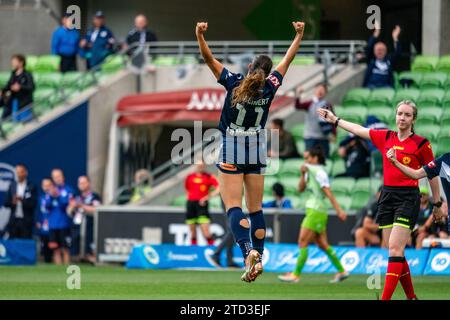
(351, 127)
(283, 66)
(413, 174)
(213, 64)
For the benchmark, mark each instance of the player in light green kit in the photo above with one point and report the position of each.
(313, 228)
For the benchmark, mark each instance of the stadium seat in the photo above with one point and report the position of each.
(362, 184)
(290, 168)
(406, 94)
(356, 97)
(344, 202)
(357, 114)
(375, 184)
(46, 98)
(47, 63)
(444, 65)
(410, 79)
(113, 64)
(444, 131)
(291, 185)
(376, 164)
(273, 166)
(446, 100)
(424, 63)
(431, 132)
(338, 109)
(343, 185)
(297, 202)
(31, 63)
(166, 61)
(338, 167)
(433, 113)
(77, 80)
(48, 80)
(297, 131)
(385, 114)
(434, 80)
(4, 78)
(443, 145)
(329, 165)
(215, 202)
(360, 199)
(300, 144)
(179, 201)
(269, 181)
(381, 97)
(430, 98)
(303, 60)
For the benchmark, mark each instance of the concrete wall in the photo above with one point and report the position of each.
(101, 109)
(436, 26)
(25, 30)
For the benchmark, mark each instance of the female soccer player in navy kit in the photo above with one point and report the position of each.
(242, 154)
(398, 206)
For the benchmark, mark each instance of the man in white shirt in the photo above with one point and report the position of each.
(21, 199)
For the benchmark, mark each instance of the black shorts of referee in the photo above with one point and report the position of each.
(398, 206)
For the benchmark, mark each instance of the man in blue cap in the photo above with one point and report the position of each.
(65, 43)
(98, 43)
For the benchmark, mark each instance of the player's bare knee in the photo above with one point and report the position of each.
(260, 234)
(244, 223)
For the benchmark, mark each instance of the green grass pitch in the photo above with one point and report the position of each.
(49, 282)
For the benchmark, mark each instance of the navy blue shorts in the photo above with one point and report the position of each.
(243, 154)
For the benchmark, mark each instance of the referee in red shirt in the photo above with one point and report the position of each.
(399, 203)
(198, 185)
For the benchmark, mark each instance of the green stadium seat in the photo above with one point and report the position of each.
(434, 80)
(356, 97)
(431, 132)
(360, 199)
(269, 181)
(344, 202)
(424, 63)
(166, 61)
(290, 185)
(338, 167)
(297, 202)
(329, 165)
(446, 99)
(445, 130)
(179, 201)
(362, 184)
(375, 184)
(444, 65)
(189, 59)
(77, 80)
(406, 94)
(273, 166)
(430, 98)
(300, 144)
(433, 113)
(215, 202)
(47, 63)
(112, 64)
(4, 78)
(48, 80)
(381, 97)
(297, 131)
(338, 109)
(46, 98)
(408, 76)
(443, 144)
(290, 167)
(342, 185)
(376, 164)
(303, 61)
(31, 62)
(385, 114)
(303, 197)
(357, 114)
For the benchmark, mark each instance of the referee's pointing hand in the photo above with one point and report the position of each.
(327, 115)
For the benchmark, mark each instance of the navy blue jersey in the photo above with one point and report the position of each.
(251, 115)
(440, 167)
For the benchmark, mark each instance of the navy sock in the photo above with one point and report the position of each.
(241, 234)
(257, 224)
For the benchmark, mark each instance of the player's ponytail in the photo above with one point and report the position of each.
(253, 83)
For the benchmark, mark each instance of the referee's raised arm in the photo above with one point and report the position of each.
(351, 127)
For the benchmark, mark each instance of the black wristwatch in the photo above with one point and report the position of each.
(437, 204)
(337, 122)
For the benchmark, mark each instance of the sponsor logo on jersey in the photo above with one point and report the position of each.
(274, 80)
(398, 148)
(432, 165)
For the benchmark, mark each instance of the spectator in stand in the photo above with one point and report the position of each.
(425, 227)
(42, 222)
(21, 199)
(367, 232)
(65, 43)
(286, 146)
(98, 43)
(142, 185)
(82, 209)
(140, 34)
(317, 131)
(380, 64)
(59, 224)
(198, 186)
(356, 154)
(18, 92)
(280, 201)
